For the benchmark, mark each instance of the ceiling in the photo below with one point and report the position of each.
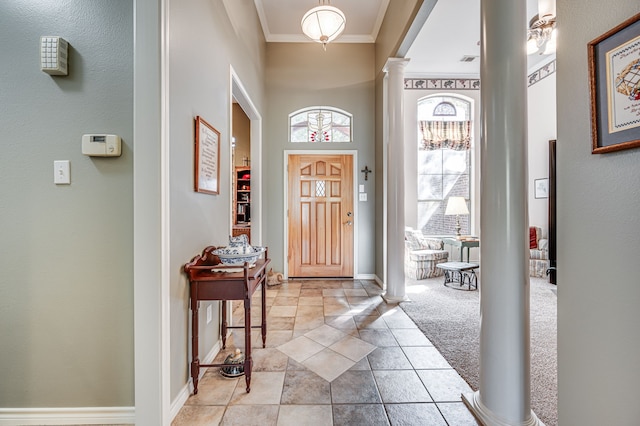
(451, 32)
(280, 19)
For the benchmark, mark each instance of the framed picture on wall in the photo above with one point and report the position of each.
(614, 80)
(541, 188)
(207, 158)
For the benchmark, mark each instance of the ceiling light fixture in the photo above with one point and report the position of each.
(542, 32)
(541, 36)
(323, 23)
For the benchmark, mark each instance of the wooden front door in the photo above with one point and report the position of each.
(320, 222)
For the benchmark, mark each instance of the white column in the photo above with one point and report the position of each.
(395, 179)
(504, 395)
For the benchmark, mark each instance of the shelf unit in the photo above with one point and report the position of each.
(242, 201)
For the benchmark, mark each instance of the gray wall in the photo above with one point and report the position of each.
(300, 75)
(598, 244)
(66, 292)
(206, 39)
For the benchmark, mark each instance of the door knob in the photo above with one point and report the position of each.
(349, 223)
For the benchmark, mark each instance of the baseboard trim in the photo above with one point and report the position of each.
(366, 277)
(379, 281)
(68, 416)
(187, 389)
(488, 418)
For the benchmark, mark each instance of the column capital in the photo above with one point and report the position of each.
(397, 64)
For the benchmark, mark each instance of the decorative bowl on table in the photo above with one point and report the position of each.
(238, 255)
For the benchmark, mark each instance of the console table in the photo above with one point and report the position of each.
(211, 280)
(454, 242)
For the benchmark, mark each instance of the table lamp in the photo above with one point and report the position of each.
(457, 206)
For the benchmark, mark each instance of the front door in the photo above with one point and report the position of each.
(320, 222)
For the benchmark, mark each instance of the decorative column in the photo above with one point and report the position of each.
(394, 68)
(504, 395)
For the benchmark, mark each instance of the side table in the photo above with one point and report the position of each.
(209, 280)
(454, 242)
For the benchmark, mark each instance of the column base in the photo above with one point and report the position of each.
(488, 418)
(394, 299)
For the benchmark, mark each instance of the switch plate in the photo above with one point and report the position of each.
(61, 172)
(209, 314)
(361, 188)
(363, 196)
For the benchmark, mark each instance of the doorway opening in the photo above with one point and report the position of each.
(246, 164)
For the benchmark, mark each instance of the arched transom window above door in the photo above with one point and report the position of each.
(320, 124)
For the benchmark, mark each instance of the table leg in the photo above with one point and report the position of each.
(195, 362)
(224, 324)
(248, 362)
(264, 314)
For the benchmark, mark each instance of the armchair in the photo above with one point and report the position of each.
(538, 253)
(422, 254)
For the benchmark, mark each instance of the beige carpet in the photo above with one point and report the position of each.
(450, 319)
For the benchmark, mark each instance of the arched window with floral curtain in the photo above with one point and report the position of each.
(444, 169)
(320, 124)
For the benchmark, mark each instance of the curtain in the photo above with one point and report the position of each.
(455, 135)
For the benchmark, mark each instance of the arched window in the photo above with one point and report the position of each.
(444, 169)
(320, 124)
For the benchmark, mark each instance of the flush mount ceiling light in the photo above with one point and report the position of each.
(542, 32)
(323, 23)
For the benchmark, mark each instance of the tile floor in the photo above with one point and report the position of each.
(336, 354)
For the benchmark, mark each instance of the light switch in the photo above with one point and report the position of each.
(363, 196)
(61, 172)
(361, 188)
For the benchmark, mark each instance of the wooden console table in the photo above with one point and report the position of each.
(208, 282)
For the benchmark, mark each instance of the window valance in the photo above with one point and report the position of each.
(455, 135)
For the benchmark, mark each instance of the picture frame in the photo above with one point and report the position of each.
(207, 158)
(614, 83)
(541, 188)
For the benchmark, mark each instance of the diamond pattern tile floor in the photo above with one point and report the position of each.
(336, 354)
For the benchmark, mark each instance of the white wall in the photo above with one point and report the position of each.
(66, 251)
(598, 244)
(411, 98)
(542, 128)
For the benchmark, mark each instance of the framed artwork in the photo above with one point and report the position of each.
(207, 158)
(614, 80)
(541, 188)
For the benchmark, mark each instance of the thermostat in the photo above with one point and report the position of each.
(101, 145)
